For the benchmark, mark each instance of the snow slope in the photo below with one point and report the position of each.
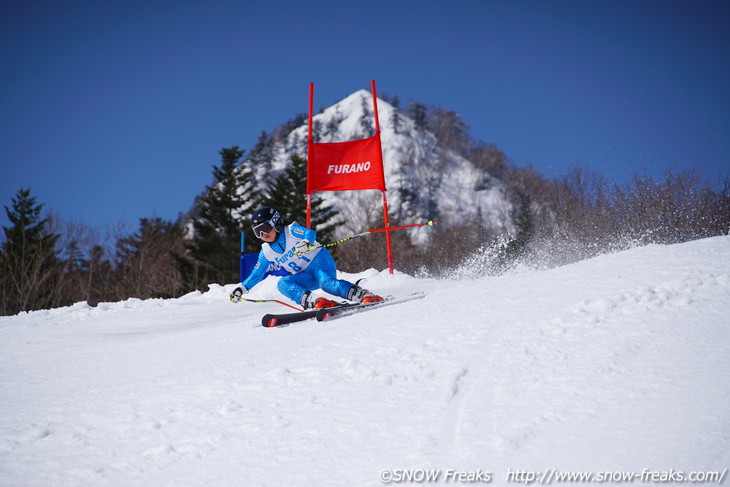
(618, 363)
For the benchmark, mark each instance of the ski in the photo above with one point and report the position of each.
(349, 309)
(272, 320)
(279, 319)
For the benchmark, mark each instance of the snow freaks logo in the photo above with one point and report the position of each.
(348, 168)
(420, 476)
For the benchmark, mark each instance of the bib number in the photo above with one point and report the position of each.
(296, 267)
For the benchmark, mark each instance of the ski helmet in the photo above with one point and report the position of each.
(264, 220)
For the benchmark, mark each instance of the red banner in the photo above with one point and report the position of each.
(342, 166)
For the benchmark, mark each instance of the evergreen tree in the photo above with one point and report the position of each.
(366, 120)
(332, 128)
(419, 113)
(408, 196)
(408, 189)
(395, 118)
(317, 131)
(223, 212)
(28, 260)
(261, 157)
(282, 132)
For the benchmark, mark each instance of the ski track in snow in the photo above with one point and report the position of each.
(615, 363)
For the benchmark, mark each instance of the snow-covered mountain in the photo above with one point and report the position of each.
(618, 365)
(446, 186)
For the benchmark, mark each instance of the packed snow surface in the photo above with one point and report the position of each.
(618, 363)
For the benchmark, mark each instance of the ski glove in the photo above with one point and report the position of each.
(237, 293)
(302, 248)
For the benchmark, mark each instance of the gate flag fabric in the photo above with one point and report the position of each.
(343, 166)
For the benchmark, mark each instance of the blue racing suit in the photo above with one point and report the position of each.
(314, 270)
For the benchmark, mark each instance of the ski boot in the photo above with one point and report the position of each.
(312, 302)
(361, 295)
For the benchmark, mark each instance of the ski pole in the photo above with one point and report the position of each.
(429, 223)
(270, 301)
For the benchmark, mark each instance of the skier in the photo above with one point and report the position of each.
(309, 268)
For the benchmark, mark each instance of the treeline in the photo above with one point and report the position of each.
(556, 222)
(45, 263)
(581, 215)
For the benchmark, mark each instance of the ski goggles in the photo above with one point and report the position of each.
(263, 228)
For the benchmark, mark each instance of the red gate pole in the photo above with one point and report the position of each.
(310, 156)
(385, 200)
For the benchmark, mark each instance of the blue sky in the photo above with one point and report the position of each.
(114, 111)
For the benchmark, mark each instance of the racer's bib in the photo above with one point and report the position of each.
(288, 260)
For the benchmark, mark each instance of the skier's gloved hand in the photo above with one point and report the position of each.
(302, 248)
(237, 293)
